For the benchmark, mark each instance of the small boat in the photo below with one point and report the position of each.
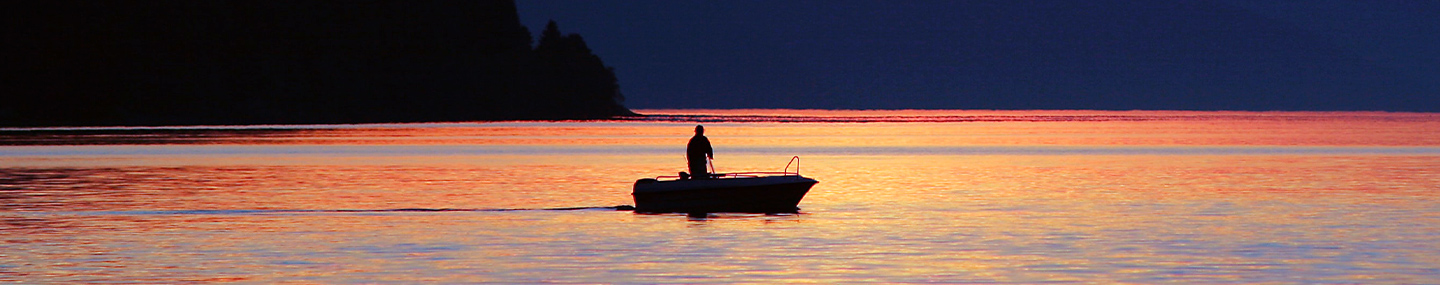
(742, 192)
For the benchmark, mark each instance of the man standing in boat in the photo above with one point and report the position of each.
(697, 152)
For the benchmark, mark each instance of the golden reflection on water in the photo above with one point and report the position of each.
(898, 202)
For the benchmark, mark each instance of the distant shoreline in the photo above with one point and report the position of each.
(806, 116)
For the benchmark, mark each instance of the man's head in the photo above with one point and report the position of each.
(699, 130)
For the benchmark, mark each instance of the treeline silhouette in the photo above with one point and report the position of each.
(166, 62)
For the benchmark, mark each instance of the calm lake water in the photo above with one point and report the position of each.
(1006, 197)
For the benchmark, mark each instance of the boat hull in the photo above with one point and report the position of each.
(772, 194)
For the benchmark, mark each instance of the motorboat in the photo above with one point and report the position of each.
(741, 192)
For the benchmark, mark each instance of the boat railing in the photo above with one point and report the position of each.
(795, 160)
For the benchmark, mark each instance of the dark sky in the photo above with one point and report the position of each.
(1118, 55)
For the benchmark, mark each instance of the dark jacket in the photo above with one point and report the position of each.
(697, 151)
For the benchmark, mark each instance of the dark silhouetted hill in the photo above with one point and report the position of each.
(309, 61)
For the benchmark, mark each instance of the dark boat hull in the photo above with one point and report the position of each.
(773, 194)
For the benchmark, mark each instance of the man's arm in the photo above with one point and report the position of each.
(709, 151)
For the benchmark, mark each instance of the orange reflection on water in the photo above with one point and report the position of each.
(270, 207)
(833, 128)
(1106, 218)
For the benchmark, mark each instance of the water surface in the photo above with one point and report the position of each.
(1017, 197)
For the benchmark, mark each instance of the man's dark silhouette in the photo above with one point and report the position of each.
(697, 151)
